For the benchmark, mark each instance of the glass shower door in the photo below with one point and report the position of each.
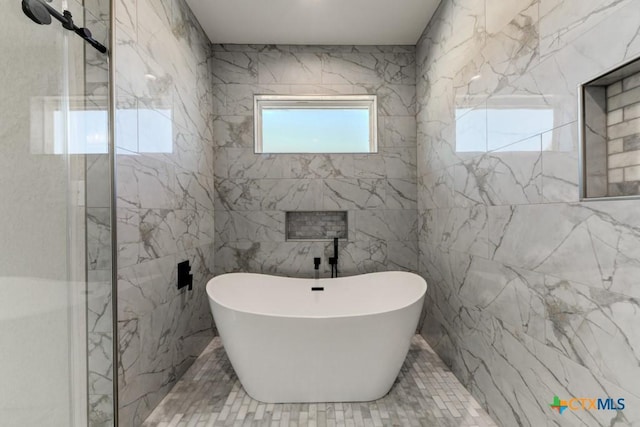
(56, 329)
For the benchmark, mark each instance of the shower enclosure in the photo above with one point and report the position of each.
(56, 233)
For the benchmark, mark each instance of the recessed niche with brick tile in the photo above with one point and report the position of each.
(318, 225)
(610, 134)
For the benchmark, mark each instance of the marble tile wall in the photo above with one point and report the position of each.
(164, 197)
(532, 293)
(253, 191)
(100, 327)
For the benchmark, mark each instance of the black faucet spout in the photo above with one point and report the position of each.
(333, 261)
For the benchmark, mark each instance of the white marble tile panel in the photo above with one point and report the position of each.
(442, 89)
(191, 152)
(187, 112)
(511, 175)
(402, 255)
(589, 326)
(187, 30)
(387, 163)
(126, 18)
(99, 314)
(607, 231)
(400, 68)
(395, 100)
(370, 165)
(436, 190)
(290, 68)
(510, 49)
(142, 287)
(234, 67)
(460, 229)
(398, 132)
(353, 68)
(320, 89)
(293, 259)
(193, 228)
(194, 191)
(233, 131)
(237, 99)
(98, 178)
(560, 164)
(528, 372)
(250, 226)
(451, 45)
(361, 257)
(154, 12)
(562, 22)
(100, 409)
(133, 76)
(399, 225)
(268, 194)
(98, 238)
(400, 193)
(591, 54)
(144, 182)
(354, 194)
(305, 166)
(144, 234)
(499, 14)
(512, 295)
(535, 103)
(238, 163)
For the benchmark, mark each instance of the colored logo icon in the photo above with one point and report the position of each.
(558, 405)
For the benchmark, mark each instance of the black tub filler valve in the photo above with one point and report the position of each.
(185, 278)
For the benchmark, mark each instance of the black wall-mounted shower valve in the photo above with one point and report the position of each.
(185, 278)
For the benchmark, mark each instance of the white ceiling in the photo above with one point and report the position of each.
(316, 22)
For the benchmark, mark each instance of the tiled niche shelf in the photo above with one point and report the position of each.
(610, 134)
(316, 225)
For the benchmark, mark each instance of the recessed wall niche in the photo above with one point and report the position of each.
(610, 134)
(319, 225)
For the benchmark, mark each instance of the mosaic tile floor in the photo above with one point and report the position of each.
(426, 393)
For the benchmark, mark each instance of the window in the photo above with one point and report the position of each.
(315, 124)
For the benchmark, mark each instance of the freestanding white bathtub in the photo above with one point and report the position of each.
(289, 343)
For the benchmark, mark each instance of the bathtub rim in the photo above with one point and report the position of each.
(411, 302)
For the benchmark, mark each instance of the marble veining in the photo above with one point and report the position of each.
(253, 191)
(532, 292)
(165, 197)
(99, 309)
